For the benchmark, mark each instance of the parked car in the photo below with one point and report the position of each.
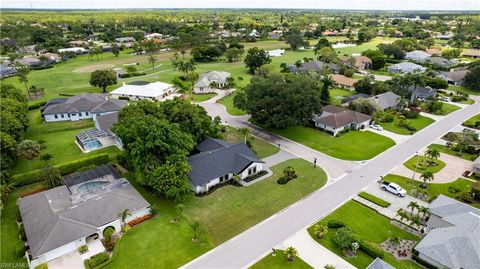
(445, 99)
(376, 127)
(393, 188)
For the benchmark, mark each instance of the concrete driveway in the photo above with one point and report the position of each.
(395, 137)
(72, 260)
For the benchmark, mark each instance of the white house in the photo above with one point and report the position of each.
(203, 85)
(77, 50)
(276, 53)
(60, 220)
(406, 67)
(85, 106)
(218, 162)
(155, 91)
(335, 119)
(153, 36)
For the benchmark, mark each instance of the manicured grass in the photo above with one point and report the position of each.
(354, 145)
(9, 239)
(225, 213)
(260, 147)
(444, 149)
(243, 207)
(59, 141)
(418, 123)
(446, 109)
(337, 94)
(463, 89)
(382, 72)
(197, 98)
(422, 166)
(371, 227)
(472, 120)
(227, 101)
(374, 199)
(279, 262)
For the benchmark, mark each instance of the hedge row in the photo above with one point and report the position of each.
(255, 176)
(374, 199)
(371, 251)
(64, 168)
(36, 105)
(96, 260)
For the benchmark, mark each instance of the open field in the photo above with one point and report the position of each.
(59, 141)
(370, 227)
(354, 145)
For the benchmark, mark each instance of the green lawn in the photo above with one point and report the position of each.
(59, 141)
(444, 149)
(9, 240)
(260, 147)
(463, 89)
(446, 109)
(243, 207)
(337, 94)
(354, 145)
(421, 160)
(371, 227)
(279, 262)
(418, 123)
(433, 189)
(227, 101)
(472, 120)
(197, 98)
(374, 199)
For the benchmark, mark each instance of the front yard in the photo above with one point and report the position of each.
(227, 101)
(59, 141)
(395, 126)
(446, 150)
(225, 213)
(260, 147)
(371, 228)
(473, 122)
(447, 108)
(424, 164)
(354, 145)
(337, 94)
(279, 262)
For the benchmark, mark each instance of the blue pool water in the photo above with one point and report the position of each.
(90, 186)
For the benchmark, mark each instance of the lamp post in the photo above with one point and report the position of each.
(415, 168)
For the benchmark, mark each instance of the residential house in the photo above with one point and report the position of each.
(204, 84)
(379, 264)
(100, 137)
(85, 106)
(335, 119)
(454, 77)
(60, 220)
(6, 71)
(153, 36)
(344, 82)
(52, 57)
(276, 53)
(218, 161)
(422, 93)
(444, 36)
(351, 98)
(434, 51)
(125, 39)
(319, 67)
(417, 56)
(386, 100)
(275, 34)
(441, 62)
(155, 91)
(406, 67)
(358, 62)
(76, 50)
(30, 61)
(453, 238)
(473, 53)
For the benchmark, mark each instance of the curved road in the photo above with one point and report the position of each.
(251, 245)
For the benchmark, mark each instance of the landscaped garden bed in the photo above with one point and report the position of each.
(280, 261)
(369, 229)
(423, 163)
(473, 122)
(451, 151)
(397, 123)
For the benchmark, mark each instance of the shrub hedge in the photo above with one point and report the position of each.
(97, 259)
(36, 105)
(374, 199)
(64, 168)
(335, 224)
(371, 251)
(255, 176)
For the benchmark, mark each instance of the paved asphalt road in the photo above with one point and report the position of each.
(334, 167)
(251, 245)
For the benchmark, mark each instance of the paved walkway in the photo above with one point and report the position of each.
(332, 166)
(313, 253)
(454, 168)
(395, 137)
(434, 117)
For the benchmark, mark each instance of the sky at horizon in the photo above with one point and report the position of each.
(473, 5)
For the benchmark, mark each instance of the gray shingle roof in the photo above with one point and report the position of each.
(52, 220)
(318, 66)
(89, 102)
(379, 264)
(456, 246)
(337, 117)
(106, 121)
(386, 100)
(217, 159)
(406, 67)
(348, 99)
(217, 76)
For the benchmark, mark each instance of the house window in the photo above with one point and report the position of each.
(62, 116)
(56, 116)
(86, 113)
(74, 114)
(80, 114)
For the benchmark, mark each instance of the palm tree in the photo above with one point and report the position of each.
(402, 214)
(124, 215)
(187, 66)
(415, 221)
(327, 82)
(432, 154)
(152, 59)
(179, 210)
(329, 266)
(28, 150)
(425, 211)
(413, 205)
(198, 230)
(426, 176)
(320, 231)
(245, 133)
(5, 189)
(291, 253)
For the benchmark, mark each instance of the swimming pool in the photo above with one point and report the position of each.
(90, 186)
